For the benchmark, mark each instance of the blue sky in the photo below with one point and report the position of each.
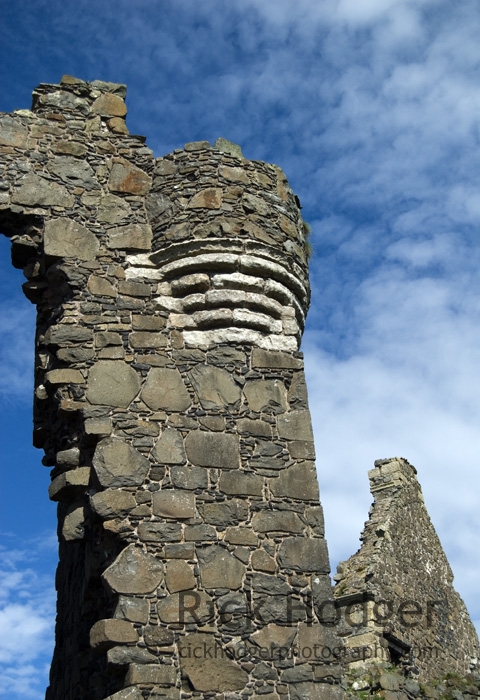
(372, 108)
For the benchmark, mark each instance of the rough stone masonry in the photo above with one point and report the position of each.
(170, 402)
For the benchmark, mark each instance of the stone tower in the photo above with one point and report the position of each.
(170, 402)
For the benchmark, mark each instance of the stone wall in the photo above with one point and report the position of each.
(170, 402)
(396, 593)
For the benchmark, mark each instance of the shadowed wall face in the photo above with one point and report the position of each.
(170, 401)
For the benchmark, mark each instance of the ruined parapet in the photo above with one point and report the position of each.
(395, 596)
(170, 401)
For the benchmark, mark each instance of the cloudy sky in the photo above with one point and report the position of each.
(372, 108)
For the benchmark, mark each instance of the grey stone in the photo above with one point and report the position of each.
(179, 576)
(274, 359)
(65, 238)
(165, 389)
(300, 449)
(132, 693)
(206, 449)
(274, 636)
(73, 527)
(108, 105)
(186, 607)
(73, 171)
(12, 132)
(133, 609)
(119, 464)
(189, 477)
(101, 287)
(69, 484)
(219, 568)
(223, 514)
(254, 427)
(130, 237)
(297, 393)
(270, 585)
(159, 532)
(112, 209)
(214, 387)
(122, 656)
(238, 483)
(174, 503)
(298, 482)
(64, 376)
(295, 425)
(67, 333)
(134, 572)
(157, 636)
(127, 178)
(206, 666)
(113, 503)
(61, 100)
(261, 561)
(36, 191)
(267, 395)
(151, 674)
(169, 449)
(277, 521)
(209, 198)
(200, 533)
(112, 383)
(303, 554)
(109, 632)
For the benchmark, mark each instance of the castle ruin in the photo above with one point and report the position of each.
(170, 402)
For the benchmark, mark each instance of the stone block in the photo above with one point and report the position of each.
(223, 514)
(165, 389)
(267, 395)
(113, 503)
(130, 237)
(134, 572)
(107, 633)
(73, 527)
(159, 532)
(108, 105)
(99, 286)
(64, 376)
(210, 198)
(69, 484)
(295, 425)
(169, 449)
(261, 561)
(112, 383)
(207, 667)
(124, 655)
(106, 338)
(157, 636)
(274, 636)
(274, 359)
(298, 482)
(67, 333)
(189, 477)
(241, 484)
(119, 464)
(133, 609)
(35, 191)
(219, 568)
(301, 449)
(179, 551)
(214, 387)
(145, 339)
(147, 323)
(276, 521)
(247, 426)
(65, 238)
(303, 554)
(73, 172)
(186, 607)
(179, 576)
(174, 503)
(12, 132)
(207, 449)
(241, 536)
(200, 533)
(132, 693)
(127, 178)
(151, 674)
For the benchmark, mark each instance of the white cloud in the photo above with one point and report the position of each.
(27, 609)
